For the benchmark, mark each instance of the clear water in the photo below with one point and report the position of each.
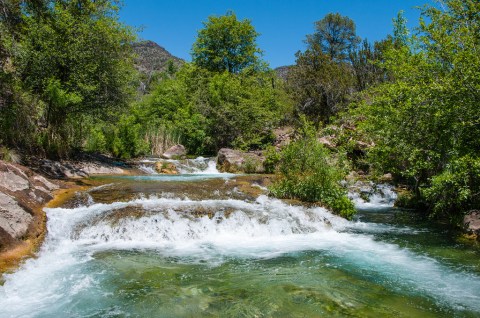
(197, 246)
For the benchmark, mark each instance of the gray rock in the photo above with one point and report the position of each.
(66, 169)
(13, 181)
(47, 184)
(471, 222)
(22, 194)
(13, 218)
(327, 141)
(175, 152)
(283, 136)
(235, 161)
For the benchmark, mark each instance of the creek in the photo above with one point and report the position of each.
(198, 245)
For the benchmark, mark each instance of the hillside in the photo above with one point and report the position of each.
(282, 71)
(152, 58)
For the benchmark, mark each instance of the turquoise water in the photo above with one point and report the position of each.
(197, 246)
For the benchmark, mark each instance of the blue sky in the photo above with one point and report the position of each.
(282, 24)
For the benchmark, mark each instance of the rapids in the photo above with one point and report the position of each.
(197, 245)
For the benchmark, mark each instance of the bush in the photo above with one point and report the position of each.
(307, 172)
(456, 190)
(9, 155)
(96, 140)
(272, 158)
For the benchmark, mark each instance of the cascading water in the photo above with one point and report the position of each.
(164, 254)
(370, 196)
(199, 165)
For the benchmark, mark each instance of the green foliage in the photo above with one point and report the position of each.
(332, 69)
(319, 86)
(335, 36)
(366, 64)
(250, 165)
(65, 61)
(400, 30)
(96, 140)
(226, 44)
(212, 110)
(307, 172)
(455, 190)
(272, 159)
(9, 155)
(426, 120)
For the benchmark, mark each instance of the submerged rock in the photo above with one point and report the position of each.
(236, 161)
(166, 167)
(175, 152)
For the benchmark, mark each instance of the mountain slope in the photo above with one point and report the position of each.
(152, 58)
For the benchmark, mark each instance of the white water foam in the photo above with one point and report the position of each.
(199, 165)
(147, 169)
(381, 196)
(264, 228)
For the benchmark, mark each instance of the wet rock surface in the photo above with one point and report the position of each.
(165, 167)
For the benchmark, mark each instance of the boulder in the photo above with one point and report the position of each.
(13, 219)
(471, 223)
(327, 141)
(175, 152)
(283, 136)
(22, 194)
(386, 177)
(236, 161)
(165, 167)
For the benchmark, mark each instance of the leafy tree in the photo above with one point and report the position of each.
(319, 86)
(335, 36)
(426, 120)
(323, 79)
(366, 64)
(400, 30)
(226, 44)
(212, 110)
(78, 61)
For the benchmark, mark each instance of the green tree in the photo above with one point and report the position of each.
(335, 35)
(319, 86)
(425, 122)
(366, 64)
(226, 44)
(212, 110)
(77, 49)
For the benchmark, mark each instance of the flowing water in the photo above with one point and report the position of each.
(199, 245)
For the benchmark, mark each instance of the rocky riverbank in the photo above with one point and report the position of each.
(25, 191)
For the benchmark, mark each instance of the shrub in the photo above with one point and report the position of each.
(272, 158)
(9, 155)
(456, 190)
(307, 172)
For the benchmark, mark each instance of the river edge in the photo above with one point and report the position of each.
(27, 189)
(13, 256)
(68, 178)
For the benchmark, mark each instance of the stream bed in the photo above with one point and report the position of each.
(197, 245)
